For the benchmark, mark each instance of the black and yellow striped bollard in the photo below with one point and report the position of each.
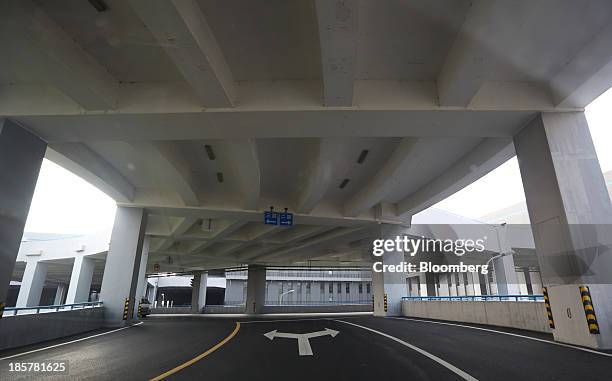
(589, 310)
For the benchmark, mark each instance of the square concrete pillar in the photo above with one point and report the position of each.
(60, 293)
(256, 289)
(21, 154)
(571, 216)
(80, 280)
(141, 286)
(391, 284)
(120, 280)
(198, 292)
(505, 275)
(32, 284)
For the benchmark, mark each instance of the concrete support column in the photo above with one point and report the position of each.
(141, 286)
(391, 284)
(256, 290)
(32, 284)
(60, 293)
(505, 275)
(21, 154)
(571, 217)
(528, 285)
(198, 292)
(123, 261)
(474, 279)
(430, 282)
(153, 295)
(80, 280)
(443, 289)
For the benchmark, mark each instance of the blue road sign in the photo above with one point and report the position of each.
(271, 218)
(286, 219)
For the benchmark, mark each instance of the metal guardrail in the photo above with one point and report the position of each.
(479, 298)
(53, 308)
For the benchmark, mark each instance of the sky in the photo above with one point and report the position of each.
(503, 186)
(64, 203)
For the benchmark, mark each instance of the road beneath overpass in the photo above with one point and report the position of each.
(363, 348)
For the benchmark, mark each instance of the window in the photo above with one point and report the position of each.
(331, 288)
(307, 287)
(347, 288)
(339, 288)
(368, 290)
(322, 288)
(361, 288)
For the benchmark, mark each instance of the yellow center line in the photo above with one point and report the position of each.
(200, 356)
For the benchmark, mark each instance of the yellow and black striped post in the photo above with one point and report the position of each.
(126, 308)
(385, 301)
(551, 321)
(589, 310)
(139, 311)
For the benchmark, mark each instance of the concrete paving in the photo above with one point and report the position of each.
(364, 348)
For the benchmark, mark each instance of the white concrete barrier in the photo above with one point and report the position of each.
(522, 315)
(21, 330)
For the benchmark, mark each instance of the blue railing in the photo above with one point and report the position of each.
(479, 298)
(8, 311)
(317, 303)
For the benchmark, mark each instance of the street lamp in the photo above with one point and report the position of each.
(280, 297)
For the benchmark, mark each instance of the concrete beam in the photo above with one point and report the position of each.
(222, 230)
(295, 234)
(465, 68)
(181, 29)
(91, 167)
(380, 185)
(166, 158)
(55, 57)
(336, 235)
(330, 218)
(587, 75)
(258, 234)
(179, 229)
(244, 161)
(485, 157)
(338, 35)
(319, 177)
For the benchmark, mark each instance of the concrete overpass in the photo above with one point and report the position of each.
(197, 116)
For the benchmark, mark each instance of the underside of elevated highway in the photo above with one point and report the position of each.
(285, 147)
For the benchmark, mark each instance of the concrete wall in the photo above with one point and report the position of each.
(173, 310)
(322, 308)
(21, 330)
(224, 309)
(523, 315)
(291, 309)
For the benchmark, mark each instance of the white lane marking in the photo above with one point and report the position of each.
(509, 334)
(303, 339)
(68, 342)
(282, 320)
(435, 358)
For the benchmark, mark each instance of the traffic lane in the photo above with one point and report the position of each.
(493, 356)
(140, 352)
(351, 355)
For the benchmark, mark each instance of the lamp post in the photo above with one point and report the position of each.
(280, 297)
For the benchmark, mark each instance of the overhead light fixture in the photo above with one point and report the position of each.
(344, 183)
(209, 152)
(362, 156)
(99, 5)
(220, 177)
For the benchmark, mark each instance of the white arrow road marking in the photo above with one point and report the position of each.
(303, 339)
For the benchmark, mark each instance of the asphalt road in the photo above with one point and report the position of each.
(346, 348)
